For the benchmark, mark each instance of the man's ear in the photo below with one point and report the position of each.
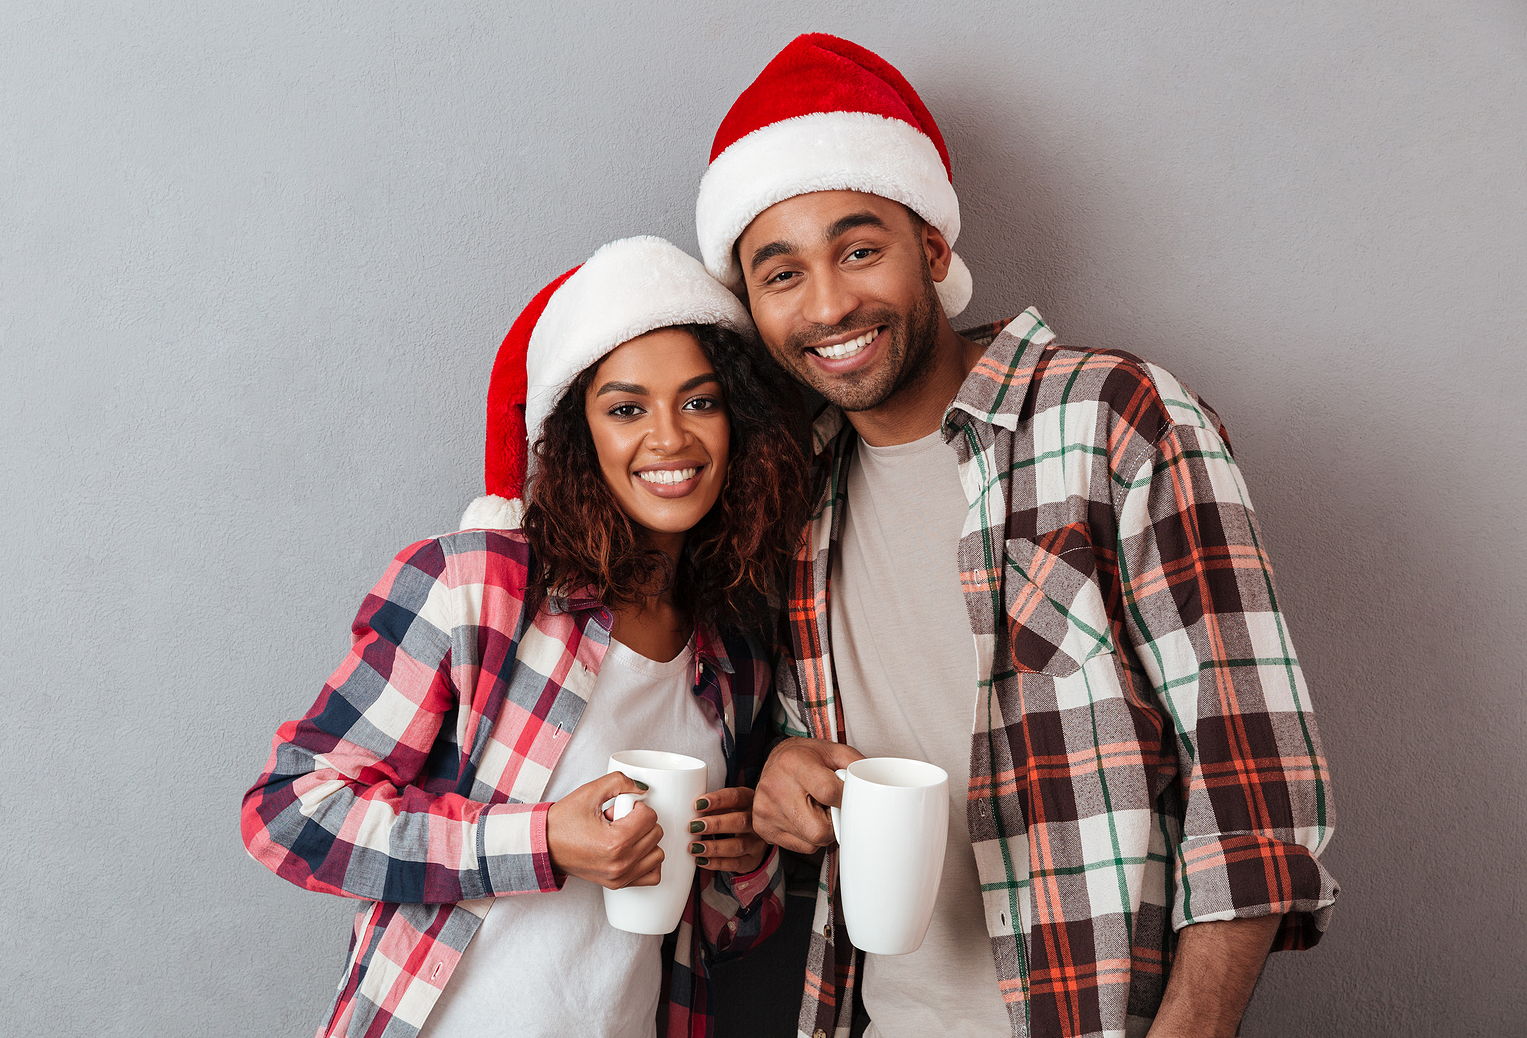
(936, 251)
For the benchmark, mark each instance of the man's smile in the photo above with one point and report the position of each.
(845, 347)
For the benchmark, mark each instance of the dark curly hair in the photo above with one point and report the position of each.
(734, 559)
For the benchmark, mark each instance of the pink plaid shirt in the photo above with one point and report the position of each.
(416, 780)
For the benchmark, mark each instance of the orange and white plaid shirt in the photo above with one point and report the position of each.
(1144, 756)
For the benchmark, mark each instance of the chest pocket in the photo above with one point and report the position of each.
(1055, 615)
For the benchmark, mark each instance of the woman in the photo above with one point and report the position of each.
(452, 770)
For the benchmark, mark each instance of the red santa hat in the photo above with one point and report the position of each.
(826, 115)
(628, 288)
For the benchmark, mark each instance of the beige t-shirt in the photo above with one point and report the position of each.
(906, 668)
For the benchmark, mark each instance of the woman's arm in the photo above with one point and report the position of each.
(337, 809)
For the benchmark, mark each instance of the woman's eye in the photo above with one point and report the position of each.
(703, 403)
(625, 411)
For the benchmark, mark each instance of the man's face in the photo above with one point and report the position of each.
(841, 285)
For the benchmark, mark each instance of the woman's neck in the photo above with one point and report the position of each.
(654, 627)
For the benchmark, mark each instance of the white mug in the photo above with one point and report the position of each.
(674, 781)
(891, 833)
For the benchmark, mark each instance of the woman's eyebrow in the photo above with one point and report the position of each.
(622, 387)
(700, 380)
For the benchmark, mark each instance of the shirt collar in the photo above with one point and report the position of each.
(996, 387)
(987, 393)
(709, 647)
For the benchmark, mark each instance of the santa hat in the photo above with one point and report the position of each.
(627, 288)
(826, 115)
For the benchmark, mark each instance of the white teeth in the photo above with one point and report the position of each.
(668, 477)
(849, 348)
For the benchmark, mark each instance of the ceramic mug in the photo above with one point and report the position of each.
(674, 781)
(891, 833)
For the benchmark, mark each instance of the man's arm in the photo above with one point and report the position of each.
(1206, 629)
(1213, 974)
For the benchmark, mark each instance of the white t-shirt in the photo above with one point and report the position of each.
(548, 965)
(905, 661)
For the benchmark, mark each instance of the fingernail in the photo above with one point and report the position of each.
(702, 861)
(702, 804)
(641, 785)
(697, 848)
(697, 827)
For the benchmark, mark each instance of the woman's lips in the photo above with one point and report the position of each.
(684, 481)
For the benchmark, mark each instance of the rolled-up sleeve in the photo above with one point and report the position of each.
(1202, 613)
(337, 810)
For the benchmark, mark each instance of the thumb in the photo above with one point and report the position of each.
(840, 755)
(614, 784)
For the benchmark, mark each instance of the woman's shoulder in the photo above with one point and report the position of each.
(475, 558)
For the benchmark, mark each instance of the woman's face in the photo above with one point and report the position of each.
(659, 425)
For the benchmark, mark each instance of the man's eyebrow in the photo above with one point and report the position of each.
(768, 252)
(852, 220)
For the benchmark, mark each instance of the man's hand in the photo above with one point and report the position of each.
(797, 788)
(586, 844)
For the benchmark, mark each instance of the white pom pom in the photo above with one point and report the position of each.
(491, 512)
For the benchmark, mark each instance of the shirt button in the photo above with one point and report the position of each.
(819, 1033)
(827, 931)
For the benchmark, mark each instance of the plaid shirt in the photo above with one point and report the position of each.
(1143, 754)
(416, 780)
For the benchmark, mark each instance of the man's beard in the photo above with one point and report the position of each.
(909, 354)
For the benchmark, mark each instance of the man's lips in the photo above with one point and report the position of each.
(850, 354)
(845, 346)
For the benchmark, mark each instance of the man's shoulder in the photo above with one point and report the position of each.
(1047, 380)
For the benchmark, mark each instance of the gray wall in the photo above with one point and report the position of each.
(255, 258)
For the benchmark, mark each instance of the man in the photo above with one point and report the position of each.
(1033, 565)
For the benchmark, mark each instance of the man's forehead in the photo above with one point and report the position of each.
(808, 216)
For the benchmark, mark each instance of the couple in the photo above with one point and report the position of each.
(1031, 564)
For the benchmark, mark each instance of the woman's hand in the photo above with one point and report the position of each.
(586, 844)
(721, 835)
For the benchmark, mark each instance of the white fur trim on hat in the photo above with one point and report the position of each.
(628, 288)
(825, 151)
(491, 512)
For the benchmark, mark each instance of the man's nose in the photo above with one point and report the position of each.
(829, 299)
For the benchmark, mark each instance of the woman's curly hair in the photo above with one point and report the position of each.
(734, 559)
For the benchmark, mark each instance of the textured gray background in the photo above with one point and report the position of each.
(255, 258)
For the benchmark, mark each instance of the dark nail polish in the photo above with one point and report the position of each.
(702, 861)
(641, 785)
(697, 827)
(697, 848)
(702, 804)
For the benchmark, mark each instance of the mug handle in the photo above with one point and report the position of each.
(621, 804)
(837, 813)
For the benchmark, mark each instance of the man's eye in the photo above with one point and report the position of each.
(859, 254)
(781, 277)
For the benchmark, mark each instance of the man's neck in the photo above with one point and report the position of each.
(918, 410)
